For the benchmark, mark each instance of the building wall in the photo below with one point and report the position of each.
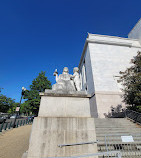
(107, 61)
(86, 73)
(88, 81)
(105, 57)
(106, 100)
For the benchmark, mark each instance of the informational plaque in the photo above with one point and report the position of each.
(17, 108)
(127, 139)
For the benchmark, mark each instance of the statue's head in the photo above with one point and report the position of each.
(65, 70)
(75, 69)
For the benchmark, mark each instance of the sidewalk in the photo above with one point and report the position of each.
(14, 143)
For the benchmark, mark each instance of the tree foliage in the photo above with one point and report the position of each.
(131, 81)
(117, 111)
(25, 108)
(6, 104)
(32, 97)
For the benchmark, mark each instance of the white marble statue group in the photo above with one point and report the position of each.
(67, 82)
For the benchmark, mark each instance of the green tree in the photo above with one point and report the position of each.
(131, 81)
(12, 108)
(25, 108)
(39, 84)
(5, 103)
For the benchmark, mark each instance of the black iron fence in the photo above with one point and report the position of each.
(118, 114)
(9, 125)
(133, 115)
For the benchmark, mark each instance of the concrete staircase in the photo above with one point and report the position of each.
(109, 131)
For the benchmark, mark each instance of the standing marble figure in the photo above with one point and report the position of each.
(76, 78)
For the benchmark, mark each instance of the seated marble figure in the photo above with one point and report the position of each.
(67, 82)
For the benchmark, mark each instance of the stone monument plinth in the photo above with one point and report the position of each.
(59, 104)
(64, 126)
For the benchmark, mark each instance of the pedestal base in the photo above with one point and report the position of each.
(55, 104)
(63, 119)
(48, 133)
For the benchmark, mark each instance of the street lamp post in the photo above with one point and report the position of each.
(18, 107)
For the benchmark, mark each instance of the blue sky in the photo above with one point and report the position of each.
(42, 35)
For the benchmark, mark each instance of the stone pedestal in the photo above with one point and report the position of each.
(62, 119)
(57, 104)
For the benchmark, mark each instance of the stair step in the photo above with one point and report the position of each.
(116, 128)
(111, 127)
(115, 131)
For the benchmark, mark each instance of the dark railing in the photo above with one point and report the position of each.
(9, 125)
(118, 114)
(133, 115)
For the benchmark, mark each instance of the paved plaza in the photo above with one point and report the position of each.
(14, 143)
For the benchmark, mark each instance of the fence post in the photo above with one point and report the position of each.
(1, 127)
(136, 119)
(21, 123)
(10, 125)
(6, 126)
(17, 123)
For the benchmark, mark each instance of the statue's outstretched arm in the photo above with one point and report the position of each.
(72, 77)
(56, 74)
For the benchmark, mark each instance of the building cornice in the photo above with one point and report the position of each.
(110, 42)
(127, 43)
(114, 37)
(116, 43)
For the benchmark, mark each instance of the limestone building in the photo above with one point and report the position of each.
(102, 59)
